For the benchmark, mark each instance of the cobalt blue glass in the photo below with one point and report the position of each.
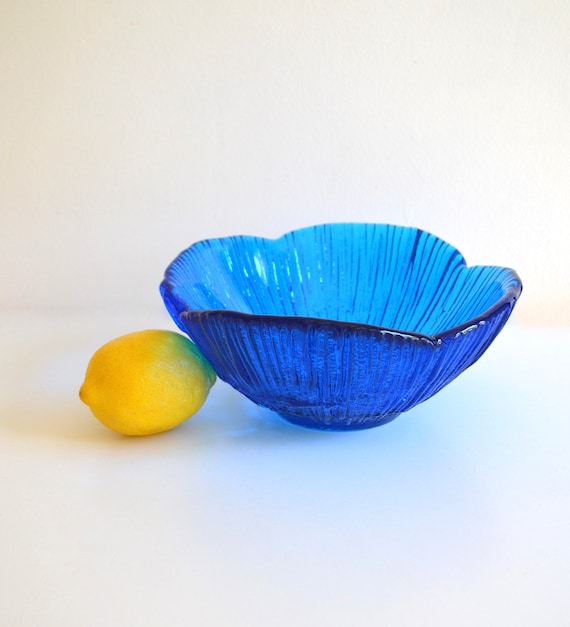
(338, 326)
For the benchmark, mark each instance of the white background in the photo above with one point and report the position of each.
(132, 129)
(129, 130)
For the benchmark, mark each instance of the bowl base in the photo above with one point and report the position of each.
(340, 425)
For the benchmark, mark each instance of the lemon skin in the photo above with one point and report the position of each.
(146, 382)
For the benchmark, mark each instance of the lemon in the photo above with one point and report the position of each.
(146, 382)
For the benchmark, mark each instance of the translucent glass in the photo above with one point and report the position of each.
(338, 326)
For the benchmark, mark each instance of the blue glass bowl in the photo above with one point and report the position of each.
(338, 326)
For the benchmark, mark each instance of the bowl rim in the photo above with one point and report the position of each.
(509, 298)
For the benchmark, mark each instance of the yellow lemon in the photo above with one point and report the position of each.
(146, 382)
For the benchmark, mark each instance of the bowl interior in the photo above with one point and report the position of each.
(396, 277)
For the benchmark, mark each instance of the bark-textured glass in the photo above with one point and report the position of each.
(338, 326)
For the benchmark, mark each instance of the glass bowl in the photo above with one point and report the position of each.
(338, 326)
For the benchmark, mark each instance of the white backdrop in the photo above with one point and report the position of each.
(130, 130)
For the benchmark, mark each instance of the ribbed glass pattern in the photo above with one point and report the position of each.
(339, 326)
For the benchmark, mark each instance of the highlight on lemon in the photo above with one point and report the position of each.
(146, 382)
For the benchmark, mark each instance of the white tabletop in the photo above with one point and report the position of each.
(456, 513)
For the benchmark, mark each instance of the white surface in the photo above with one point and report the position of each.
(457, 513)
(132, 129)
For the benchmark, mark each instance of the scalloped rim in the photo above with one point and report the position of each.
(509, 298)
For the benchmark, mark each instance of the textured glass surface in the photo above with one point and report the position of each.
(338, 326)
